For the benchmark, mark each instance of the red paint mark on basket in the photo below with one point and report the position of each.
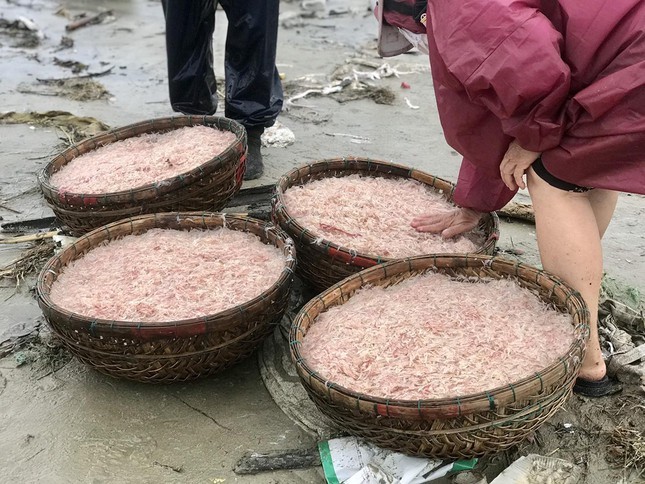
(241, 168)
(382, 410)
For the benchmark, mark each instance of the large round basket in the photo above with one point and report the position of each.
(467, 425)
(208, 187)
(170, 351)
(322, 263)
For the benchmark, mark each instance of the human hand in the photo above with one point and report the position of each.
(449, 224)
(514, 164)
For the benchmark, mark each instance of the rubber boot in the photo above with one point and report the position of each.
(254, 165)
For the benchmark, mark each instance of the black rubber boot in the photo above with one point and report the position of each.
(254, 165)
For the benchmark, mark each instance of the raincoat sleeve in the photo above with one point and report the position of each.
(480, 191)
(507, 56)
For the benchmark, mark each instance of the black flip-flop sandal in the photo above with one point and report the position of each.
(595, 389)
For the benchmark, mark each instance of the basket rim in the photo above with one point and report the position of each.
(487, 399)
(98, 325)
(294, 175)
(111, 136)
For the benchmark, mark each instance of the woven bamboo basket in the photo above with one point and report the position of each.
(465, 426)
(205, 188)
(321, 262)
(164, 352)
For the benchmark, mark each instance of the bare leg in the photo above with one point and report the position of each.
(568, 234)
(603, 204)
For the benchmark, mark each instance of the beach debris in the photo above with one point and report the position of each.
(30, 261)
(348, 82)
(537, 469)
(278, 136)
(410, 105)
(84, 20)
(23, 31)
(256, 462)
(628, 448)
(73, 128)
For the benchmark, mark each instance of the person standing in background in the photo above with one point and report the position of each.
(252, 89)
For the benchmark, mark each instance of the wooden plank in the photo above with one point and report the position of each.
(30, 225)
(29, 238)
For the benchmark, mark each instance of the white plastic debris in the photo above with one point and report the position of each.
(349, 460)
(537, 469)
(278, 135)
(62, 241)
(409, 103)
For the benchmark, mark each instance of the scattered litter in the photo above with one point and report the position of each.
(410, 105)
(21, 358)
(313, 5)
(255, 462)
(348, 460)
(334, 12)
(63, 241)
(75, 66)
(75, 128)
(278, 135)
(354, 138)
(405, 85)
(537, 469)
(77, 89)
(23, 32)
(65, 43)
(449, 469)
(84, 20)
(30, 25)
(348, 83)
(30, 261)
(628, 448)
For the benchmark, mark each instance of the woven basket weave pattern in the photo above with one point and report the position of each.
(323, 263)
(206, 188)
(177, 350)
(468, 426)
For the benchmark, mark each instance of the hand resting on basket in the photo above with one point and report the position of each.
(448, 224)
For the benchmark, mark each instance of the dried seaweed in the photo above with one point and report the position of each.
(628, 448)
(29, 262)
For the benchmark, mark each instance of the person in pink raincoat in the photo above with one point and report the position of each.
(553, 90)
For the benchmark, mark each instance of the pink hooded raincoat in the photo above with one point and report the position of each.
(565, 78)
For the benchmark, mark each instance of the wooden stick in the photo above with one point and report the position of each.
(30, 225)
(255, 462)
(82, 76)
(29, 238)
(82, 22)
(518, 210)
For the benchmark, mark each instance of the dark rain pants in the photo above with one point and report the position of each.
(253, 92)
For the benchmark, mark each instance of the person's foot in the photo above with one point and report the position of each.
(593, 365)
(254, 165)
